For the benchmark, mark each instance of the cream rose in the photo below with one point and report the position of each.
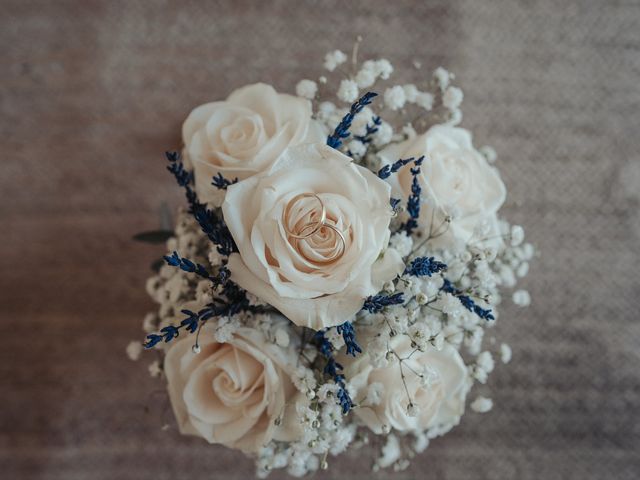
(438, 397)
(456, 181)
(244, 135)
(231, 393)
(312, 233)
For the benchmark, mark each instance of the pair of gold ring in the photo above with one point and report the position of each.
(306, 231)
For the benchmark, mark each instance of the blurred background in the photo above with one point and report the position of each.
(92, 94)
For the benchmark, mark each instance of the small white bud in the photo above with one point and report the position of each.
(522, 269)
(413, 410)
(505, 353)
(489, 153)
(521, 298)
(482, 404)
(517, 235)
(452, 98)
(134, 349)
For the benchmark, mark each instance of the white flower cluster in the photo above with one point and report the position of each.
(421, 336)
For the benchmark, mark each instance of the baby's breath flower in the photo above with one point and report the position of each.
(154, 369)
(365, 78)
(348, 91)
(357, 148)
(527, 251)
(389, 287)
(401, 242)
(421, 298)
(134, 349)
(410, 92)
(521, 298)
(304, 381)
(326, 391)
(442, 77)
(333, 60)
(507, 276)
(453, 335)
(481, 404)
(485, 361)
(341, 439)
(429, 376)
(390, 452)
(306, 89)
(517, 235)
(522, 269)
(383, 135)
(384, 68)
(505, 353)
(451, 305)
(226, 328)
(394, 97)
(150, 322)
(452, 98)
(455, 117)
(421, 442)
(424, 100)
(409, 131)
(420, 335)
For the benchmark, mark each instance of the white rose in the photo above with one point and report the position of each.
(244, 135)
(437, 399)
(231, 393)
(321, 280)
(456, 180)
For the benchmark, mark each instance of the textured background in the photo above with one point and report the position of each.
(91, 95)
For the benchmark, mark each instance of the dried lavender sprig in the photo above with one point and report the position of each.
(424, 266)
(210, 223)
(235, 302)
(342, 130)
(377, 303)
(371, 129)
(221, 182)
(413, 202)
(386, 171)
(467, 302)
(333, 369)
(349, 336)
(187, 265)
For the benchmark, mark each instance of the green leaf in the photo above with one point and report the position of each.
(155, 266)
(153, 236)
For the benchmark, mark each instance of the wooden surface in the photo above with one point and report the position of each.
(91, 95)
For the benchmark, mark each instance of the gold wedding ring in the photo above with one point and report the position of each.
(307, 230)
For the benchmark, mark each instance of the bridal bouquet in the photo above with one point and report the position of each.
(330, 282)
